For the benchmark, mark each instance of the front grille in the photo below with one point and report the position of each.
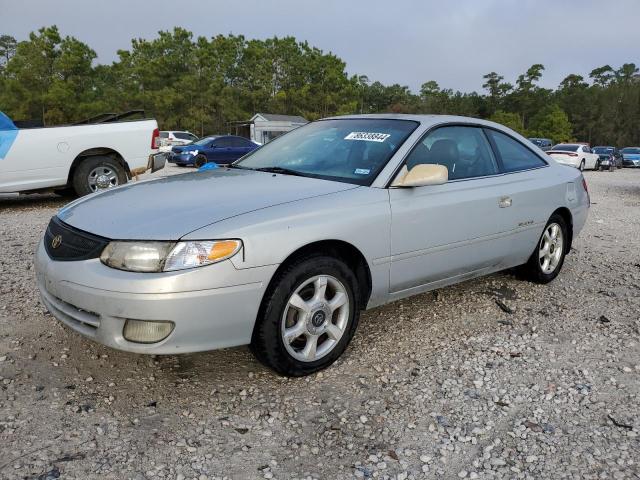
(66, 243)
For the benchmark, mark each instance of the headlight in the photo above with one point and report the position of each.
(167, 256)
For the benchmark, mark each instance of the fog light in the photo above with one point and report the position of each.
(146, 332)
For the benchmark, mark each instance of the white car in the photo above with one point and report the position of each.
(81, 158)
(171, 138)
(577, 155)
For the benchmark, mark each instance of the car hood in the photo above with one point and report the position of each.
(631, 156)
(169, 208)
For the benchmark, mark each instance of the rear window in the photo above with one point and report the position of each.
(563, 147)
(603, 150)
(164, 134)
(633, 150)
(183, 136)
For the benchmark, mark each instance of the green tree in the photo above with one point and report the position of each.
(509, 119)
(551, 122)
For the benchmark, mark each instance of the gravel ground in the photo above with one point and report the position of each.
(446, 384)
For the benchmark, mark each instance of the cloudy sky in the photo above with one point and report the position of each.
(399, 41)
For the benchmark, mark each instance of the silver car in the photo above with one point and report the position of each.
(283, 249)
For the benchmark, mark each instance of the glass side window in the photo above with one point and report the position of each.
(239, 142)
(465, 152)
(223, 143)
(514, 155)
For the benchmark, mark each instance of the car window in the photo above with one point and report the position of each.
(240, 142)
(351, 150)
(465, 152)
(514, 155)
(225, 142)
(183, 135)
(164, 134)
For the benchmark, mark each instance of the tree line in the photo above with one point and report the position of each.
(201, 84)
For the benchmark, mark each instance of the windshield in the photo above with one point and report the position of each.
(204, 141)
(634, 150)
(566, 148)
(344, 150)
(603, 150)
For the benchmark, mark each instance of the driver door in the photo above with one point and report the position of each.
(442, 233)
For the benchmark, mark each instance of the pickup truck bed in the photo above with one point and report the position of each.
(84, 158)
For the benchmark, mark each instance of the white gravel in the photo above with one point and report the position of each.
(445, 384)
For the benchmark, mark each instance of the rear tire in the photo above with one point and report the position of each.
(547, 259)
(299, 330)
(98, 173)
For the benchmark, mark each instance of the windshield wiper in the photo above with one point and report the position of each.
(284, 171)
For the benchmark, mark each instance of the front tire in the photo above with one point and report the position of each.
(547, 259)
(98, 173)
(581, 167)
(200, 161)
(308, 316)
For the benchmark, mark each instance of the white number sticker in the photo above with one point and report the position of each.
(368, 136)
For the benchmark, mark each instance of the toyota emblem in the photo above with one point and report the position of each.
(56, 242)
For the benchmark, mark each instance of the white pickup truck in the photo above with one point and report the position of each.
(101, 153)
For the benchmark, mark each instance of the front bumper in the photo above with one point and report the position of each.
(181, 159)
(631, 163)
(212, 307)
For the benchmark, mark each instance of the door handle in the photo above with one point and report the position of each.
(504, 202)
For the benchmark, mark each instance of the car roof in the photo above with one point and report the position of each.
(424, 119)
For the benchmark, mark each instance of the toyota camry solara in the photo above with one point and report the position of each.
(283, 249)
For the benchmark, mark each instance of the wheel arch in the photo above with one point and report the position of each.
(93, 152)
(566, 215)
(341, 249)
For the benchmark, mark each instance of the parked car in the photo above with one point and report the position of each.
(170, 138)
(608, 155)
(222, 149)
(282, 249)
(542, 143)
(98, 154)
(577, 155)
(630, 156)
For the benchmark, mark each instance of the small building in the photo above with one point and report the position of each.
(264, 127)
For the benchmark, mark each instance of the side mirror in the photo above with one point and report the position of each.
(422, 175)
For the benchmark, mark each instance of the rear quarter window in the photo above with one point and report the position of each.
(515, 156)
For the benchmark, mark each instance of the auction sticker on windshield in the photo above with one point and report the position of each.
(368, 136)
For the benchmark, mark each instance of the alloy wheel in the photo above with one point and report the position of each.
(551, 248)
(315, 318)
(102, 178)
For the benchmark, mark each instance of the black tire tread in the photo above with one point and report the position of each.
(80, 185)
(531, 270)
(265, 342)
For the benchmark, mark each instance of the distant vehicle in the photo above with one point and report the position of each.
(543, 143)
(577, 155)
(171, 138)
(630, 156)
(97, 154)
(608, 155)
(222, 149)
(283, 249)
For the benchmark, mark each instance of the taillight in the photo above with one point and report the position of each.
(155, 139)
(572, 154)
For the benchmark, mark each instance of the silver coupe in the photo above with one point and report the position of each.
(285, 247)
